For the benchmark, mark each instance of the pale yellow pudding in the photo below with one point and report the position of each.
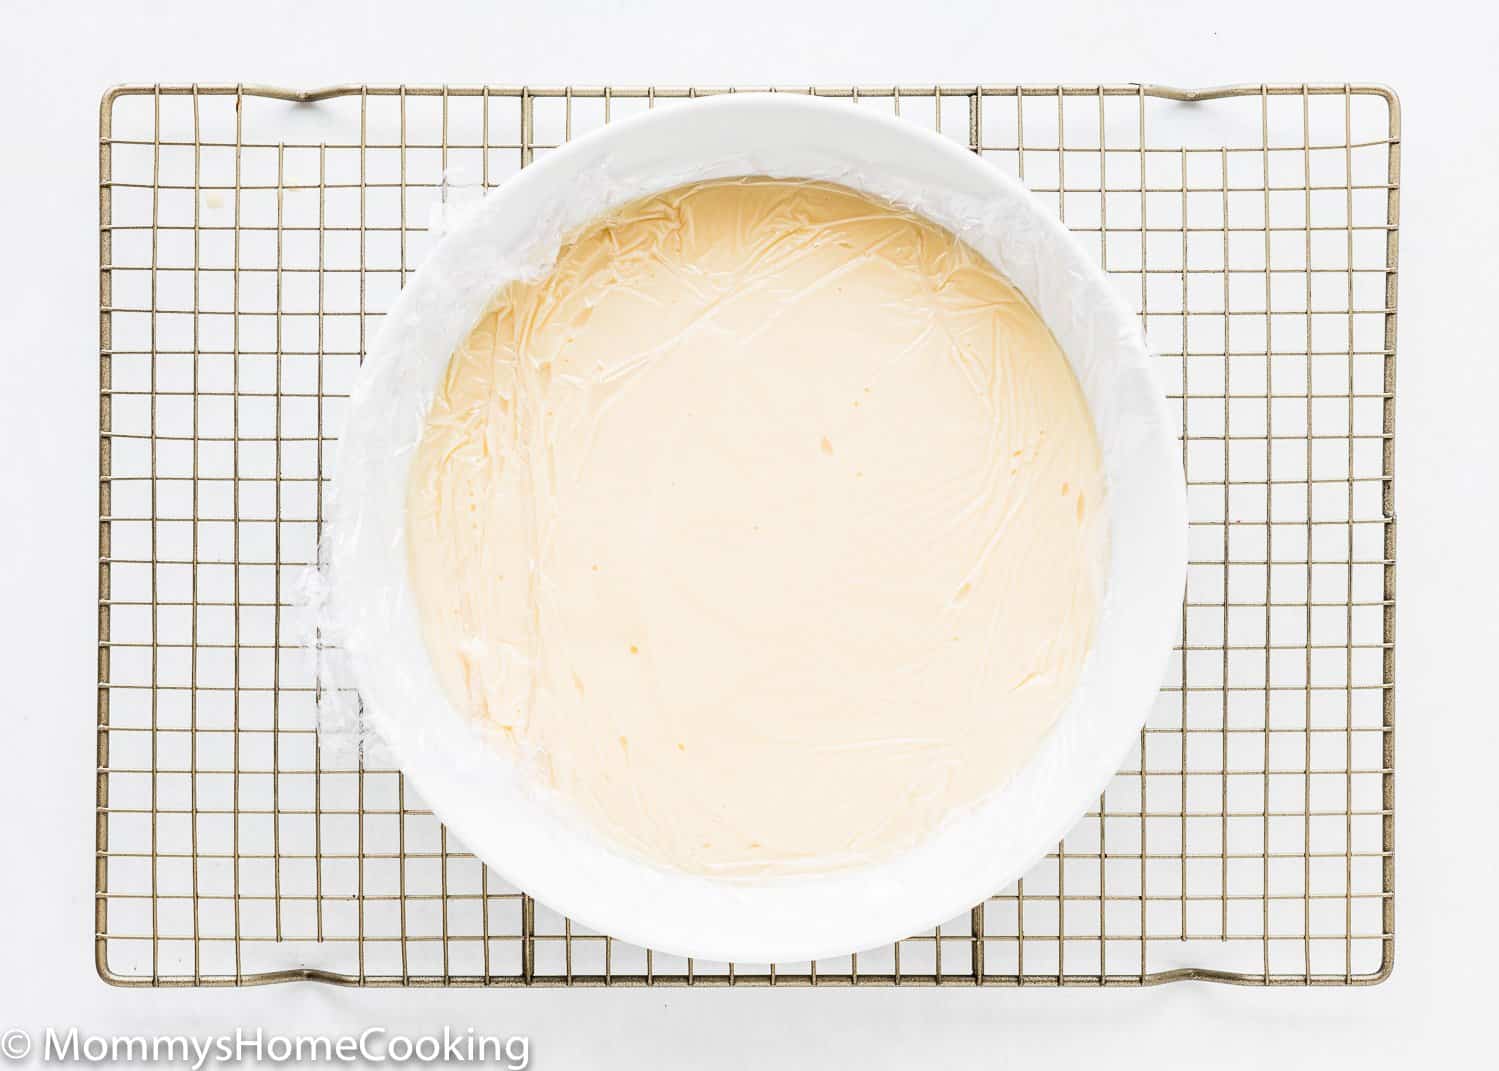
(769, 526)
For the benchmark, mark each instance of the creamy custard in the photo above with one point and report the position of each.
(768, 527)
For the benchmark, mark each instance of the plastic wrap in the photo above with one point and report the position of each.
(381, 681)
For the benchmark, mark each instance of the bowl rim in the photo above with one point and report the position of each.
(798, 918)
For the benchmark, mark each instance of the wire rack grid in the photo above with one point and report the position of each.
(250, 238)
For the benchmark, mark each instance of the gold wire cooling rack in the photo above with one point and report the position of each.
(251, 237)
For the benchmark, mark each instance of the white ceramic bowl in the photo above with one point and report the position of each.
(485, 798)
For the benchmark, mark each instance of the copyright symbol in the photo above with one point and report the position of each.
(15, 1045)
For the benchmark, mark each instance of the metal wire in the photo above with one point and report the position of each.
(250, 238)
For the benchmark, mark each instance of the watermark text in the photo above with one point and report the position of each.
(374, 1045)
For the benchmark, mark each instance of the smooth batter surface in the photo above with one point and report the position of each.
(769, 525)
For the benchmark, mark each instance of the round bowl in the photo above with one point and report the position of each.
(485, 797)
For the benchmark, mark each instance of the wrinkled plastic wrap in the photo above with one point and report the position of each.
(377, 682)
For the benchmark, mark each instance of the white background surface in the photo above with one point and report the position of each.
(55, 62)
